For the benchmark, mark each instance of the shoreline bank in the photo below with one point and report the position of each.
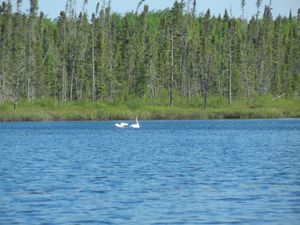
(50, 110)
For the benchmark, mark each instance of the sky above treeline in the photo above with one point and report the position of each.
(51, 8)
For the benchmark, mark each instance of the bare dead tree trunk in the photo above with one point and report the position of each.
(244, 69)
(152, 81)
(110, 90)
(206, 85)
(72, 78)
(230, 75)
(30, 56)
(93, 75)
(172, 71)
(76, 87)
(3, 79)
(63, 83)
(16, 95)
(93, 64)
(28, 72)
(15, 103)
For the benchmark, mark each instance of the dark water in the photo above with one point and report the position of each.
(167, 172)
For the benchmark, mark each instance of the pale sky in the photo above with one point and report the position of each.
(51, 8)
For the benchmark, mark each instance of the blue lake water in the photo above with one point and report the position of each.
(167, 172)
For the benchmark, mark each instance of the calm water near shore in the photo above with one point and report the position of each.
(166, 172)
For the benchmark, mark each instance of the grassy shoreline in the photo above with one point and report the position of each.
(50, 110)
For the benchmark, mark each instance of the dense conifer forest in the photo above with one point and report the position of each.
(167, 54)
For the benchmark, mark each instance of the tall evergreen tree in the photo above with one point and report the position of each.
(162, 54)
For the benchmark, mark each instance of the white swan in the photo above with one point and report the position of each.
(135, 125)
(121, 125)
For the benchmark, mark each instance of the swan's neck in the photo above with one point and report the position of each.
(137, 122)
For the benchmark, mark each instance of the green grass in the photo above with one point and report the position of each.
(48, 109)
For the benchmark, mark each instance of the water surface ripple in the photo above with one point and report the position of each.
(167, 172)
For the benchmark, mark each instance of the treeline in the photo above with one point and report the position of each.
(168, 53)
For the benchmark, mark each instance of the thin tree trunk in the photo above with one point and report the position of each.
(30, 55)
(207, 82)
(28, 87)
(16, 96)
(111, 80)
(152, 82)
(55, 90)
(172, 71)
(63, 84)
(110, 90)
(72, 79)
(187, 86)
(244, 70)
(2, 88)
(28, 71)
(93, 66)
(76, 87)
(3, 75)
(230, 76)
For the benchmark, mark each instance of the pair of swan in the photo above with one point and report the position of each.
(123, 125)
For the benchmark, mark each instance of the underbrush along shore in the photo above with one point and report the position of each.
(51, 110)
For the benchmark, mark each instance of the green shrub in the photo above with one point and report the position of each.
(147, 108)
